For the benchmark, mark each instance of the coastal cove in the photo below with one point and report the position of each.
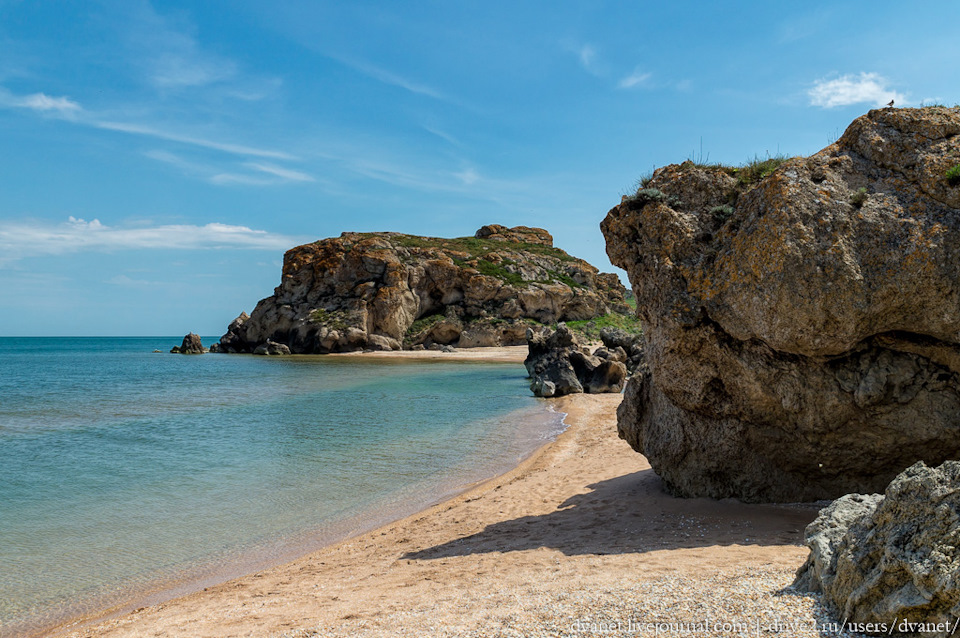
(126, 473)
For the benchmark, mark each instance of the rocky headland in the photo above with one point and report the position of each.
(389, 291)
(801, 317)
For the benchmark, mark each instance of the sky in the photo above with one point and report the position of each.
(158, 158)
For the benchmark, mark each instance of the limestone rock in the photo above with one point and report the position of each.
(891, 558)
(802, 340)
(364, 291)
(191, 345)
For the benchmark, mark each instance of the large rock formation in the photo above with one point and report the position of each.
(385, 291)
(802, 330)
(892, 559)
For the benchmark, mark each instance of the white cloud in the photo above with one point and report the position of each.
(124, 280)
(175, 71)
(216, 175)
(635, 79)
(587, 55)
(226, 147)
(467, 176)
(43, 102)
(442, 135)
(167, 51)
(853, 89)
(31, 239)
(387, 77)
(284, 174)
(589, 60)
(69, 109)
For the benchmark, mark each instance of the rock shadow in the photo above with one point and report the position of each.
(634, 514)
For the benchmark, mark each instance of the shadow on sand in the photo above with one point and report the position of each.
(634, 514)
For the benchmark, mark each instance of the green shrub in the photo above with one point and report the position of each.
(723, 212)
(336, 319)
(423, 323)
(645, 195)
(589, 329)
(491, 269)
(859, 197)
(953, 176)
(757, 168)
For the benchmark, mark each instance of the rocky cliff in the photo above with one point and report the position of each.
(386, 291)
(802, 327)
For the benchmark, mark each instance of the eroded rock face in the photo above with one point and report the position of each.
(802, 332)
(387, 291)
(891, 558)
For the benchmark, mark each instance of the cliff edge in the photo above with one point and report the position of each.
(802, 327)
(387, 291)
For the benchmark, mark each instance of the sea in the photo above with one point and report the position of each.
(128, 476)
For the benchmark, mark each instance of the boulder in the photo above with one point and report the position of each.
(800, 328)
(191, 345)
(891, 559)
(364, 291)
(479, 337)
(558, 365)
(271, 348)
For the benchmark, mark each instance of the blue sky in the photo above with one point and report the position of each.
(158, 158)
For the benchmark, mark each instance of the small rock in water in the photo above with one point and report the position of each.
(191, 345)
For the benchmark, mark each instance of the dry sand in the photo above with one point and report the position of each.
(502, 354)
(579, 540)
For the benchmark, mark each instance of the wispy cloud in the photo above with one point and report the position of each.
(41, 103)
(442, 135)
(588, 56)
(393, 79)
(278, 171)
(124, 280)
(30, 239)
(853, 89)
(635, 79)
(69, 109)
(172, 136)
(166, 51)
(468, 176)
(216, 175)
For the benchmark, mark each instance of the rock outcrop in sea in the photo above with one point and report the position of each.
(387, 291)
(191, 345)
(892, 558)
(802, 327)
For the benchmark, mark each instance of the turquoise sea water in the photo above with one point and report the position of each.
(124, 472)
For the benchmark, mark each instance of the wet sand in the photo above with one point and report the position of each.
(580, 532)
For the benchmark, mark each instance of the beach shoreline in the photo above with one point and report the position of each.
(98, 606)
(580, 522)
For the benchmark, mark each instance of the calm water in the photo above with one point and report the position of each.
(123, 471)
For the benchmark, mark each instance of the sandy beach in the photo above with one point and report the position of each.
(580, 539)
